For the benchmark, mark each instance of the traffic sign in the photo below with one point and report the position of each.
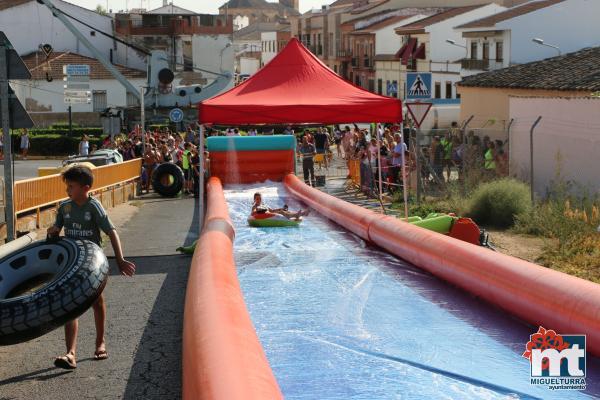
(77, 86)
(418, 85)
(78, 100)
(77, 78)
(47, 49)
(78, 93)
(76, 69)
(418, 111)
(176, 115)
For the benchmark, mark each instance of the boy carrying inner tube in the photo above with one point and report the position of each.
(83, 217)
(259, 208)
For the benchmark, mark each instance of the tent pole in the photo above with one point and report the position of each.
(404, 188)
(379, 168)
(201, 179)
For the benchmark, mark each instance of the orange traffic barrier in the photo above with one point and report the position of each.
(535, 294)
(222, 356)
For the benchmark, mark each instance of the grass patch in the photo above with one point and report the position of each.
(498, 203)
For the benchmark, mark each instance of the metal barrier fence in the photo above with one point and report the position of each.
(443, 160)
(35, 193)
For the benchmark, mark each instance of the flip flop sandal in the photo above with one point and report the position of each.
(65, 362)
(100, 355)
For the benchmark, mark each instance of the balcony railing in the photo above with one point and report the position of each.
(481, 65)
(344, 53)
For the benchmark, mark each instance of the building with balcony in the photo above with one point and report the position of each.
(191, 41)
(505, 38)
(273, 42)
(424, 48)
(248, 12)
(373, 44)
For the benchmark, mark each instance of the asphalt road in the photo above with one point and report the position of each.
(144, 323)
(25, 169)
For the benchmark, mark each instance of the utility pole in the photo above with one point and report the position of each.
(12, 115)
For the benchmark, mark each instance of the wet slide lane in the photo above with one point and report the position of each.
(341, 319)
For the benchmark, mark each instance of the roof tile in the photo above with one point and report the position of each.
(574, 71)
(434, 19)
(36, 62)
(513, 12)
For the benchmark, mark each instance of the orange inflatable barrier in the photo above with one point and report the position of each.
(222, 356)
(252, 165)
(535, 294)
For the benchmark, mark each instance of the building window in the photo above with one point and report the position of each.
(499, 51)
(335, 69)
(380, 86)
(448, 90)
(372, 85)
(438, 90)
(473, 50)
(99, 100)
(132, 100)
(486, 51)
(395, 93)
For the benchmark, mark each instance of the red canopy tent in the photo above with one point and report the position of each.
(295, 88)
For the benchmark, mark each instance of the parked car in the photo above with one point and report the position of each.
(98, 158)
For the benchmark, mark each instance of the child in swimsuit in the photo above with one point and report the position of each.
(259, 208)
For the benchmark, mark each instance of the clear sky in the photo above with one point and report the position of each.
(199, 6)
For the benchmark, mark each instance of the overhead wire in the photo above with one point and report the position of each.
(133, 46)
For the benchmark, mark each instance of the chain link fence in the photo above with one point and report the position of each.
(438, 162)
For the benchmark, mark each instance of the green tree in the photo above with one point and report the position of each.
(101, 10)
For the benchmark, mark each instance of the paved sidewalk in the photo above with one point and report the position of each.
(144, 325)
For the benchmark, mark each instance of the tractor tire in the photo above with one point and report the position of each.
(47, 284)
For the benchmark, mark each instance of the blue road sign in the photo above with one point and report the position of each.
(176, 115)
(418, 85)
(76, 69)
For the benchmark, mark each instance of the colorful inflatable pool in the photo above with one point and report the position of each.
(272, 220)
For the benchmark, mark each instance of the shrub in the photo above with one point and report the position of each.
(77, 132)
(499, 203)
(54, 145)
(63, 125)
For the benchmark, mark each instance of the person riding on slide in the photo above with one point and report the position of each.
(259, 208)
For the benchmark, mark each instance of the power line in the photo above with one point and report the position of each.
(135, 47)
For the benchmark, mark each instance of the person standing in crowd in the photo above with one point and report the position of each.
(195, 161)
(436, 157)
(187, 168)
(84, 146)
(347, 136)
(489, 158)
(446, 143)
(307, 151)
(322, 144)
(190, 135)
(337, 133)
(399, 149)
(288, 130)
(501, 158)
(24, 144)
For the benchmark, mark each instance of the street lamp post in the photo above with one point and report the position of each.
(541, 43)
(453, 43)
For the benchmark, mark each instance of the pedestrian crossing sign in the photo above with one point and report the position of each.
(418, 85)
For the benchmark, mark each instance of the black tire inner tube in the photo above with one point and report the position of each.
(168, 180)
(46, 284)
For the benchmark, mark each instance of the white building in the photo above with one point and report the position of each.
(269, 47)
(506, 38)
(29, 24)
(43, 97)
(425, 48)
